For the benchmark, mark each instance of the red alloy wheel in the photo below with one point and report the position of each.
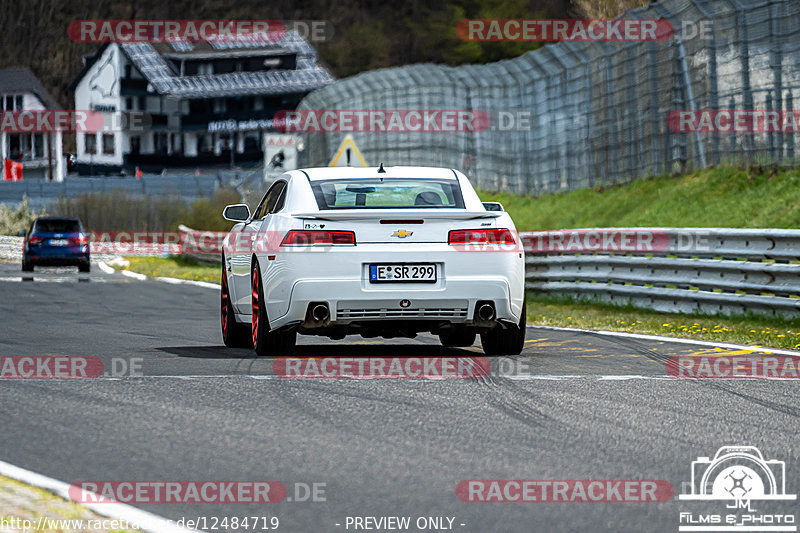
(256, 305)
(224, 299)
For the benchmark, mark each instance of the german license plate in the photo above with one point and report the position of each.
(58, 242)
(402, 272)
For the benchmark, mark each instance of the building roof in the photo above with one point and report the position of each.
(149, 59)
(22, 80)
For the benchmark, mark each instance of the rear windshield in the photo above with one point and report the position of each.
(57, 226)
(391, 193)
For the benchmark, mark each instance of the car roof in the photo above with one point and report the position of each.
(54, 219)
(332, 173)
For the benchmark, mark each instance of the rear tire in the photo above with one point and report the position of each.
(458, 337)
(27, 266)
(234, 334)
(508, 341)
(266, 342)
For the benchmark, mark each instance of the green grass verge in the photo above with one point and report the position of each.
(546, 310)
(174, 267)
(716, 197)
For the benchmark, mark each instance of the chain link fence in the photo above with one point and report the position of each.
(598, 110)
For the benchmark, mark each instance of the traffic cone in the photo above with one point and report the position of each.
(138, 173)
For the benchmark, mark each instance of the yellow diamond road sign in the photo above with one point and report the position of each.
(348, 155)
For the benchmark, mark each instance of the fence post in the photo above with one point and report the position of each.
(776, 62)
(770, 134)
(789, 133)
(748, 141)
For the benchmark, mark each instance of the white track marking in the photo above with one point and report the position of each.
(105, 268)
(120, 511)
(44, 279)
(678, 340)
(134, 275)
(178, 281)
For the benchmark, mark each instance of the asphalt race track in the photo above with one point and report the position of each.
(575, 406)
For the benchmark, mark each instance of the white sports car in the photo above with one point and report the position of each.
(377, 252)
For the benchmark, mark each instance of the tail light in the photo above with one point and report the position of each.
(481, 236)
(35, 241)
(310, 238)
(78, 240)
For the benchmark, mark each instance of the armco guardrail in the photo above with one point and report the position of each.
(202, 246)
(676, 270)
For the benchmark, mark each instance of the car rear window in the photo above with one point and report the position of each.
(58, 226)
(389, 193)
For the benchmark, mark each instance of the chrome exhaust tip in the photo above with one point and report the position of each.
(320, 312)
(486, 312)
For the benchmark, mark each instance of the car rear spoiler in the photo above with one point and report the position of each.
(437, 214)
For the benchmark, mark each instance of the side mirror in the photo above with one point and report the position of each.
(493, 206)
(22, 233)
(236, 213)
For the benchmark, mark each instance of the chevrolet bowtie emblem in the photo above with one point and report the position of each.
(402, 233)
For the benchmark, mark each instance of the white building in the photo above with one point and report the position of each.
(39, 152)
(204, 104)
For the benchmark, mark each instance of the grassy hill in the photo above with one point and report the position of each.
(717, 197)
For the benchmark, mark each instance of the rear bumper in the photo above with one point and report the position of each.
(349, 303)
(340, 279)
(56, 258)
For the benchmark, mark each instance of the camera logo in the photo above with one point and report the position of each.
(738, 473)
(737, 476)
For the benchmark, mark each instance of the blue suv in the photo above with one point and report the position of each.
(56, 241)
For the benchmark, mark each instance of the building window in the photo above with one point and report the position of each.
(129, 103)
(205, 69)
(12, 102)
(90, 143)
(136, 145)
(205, 143)
(176, 143)
(160, 143)
(18, 146)
(37, 145)
(108, 143)
(220, 106)
(142, 101)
